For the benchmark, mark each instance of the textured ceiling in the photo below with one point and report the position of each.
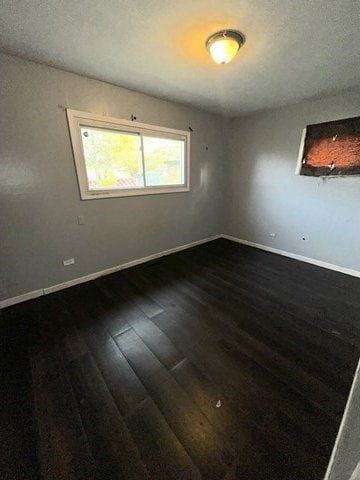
(295, 48)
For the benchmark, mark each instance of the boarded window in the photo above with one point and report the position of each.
(331, 149)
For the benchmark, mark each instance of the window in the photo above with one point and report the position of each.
(116, 158)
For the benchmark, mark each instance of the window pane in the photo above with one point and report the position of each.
(164, 161)
(112, 159)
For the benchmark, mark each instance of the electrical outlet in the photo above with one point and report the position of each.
(68, 261)
(272, 234)
(80, 220)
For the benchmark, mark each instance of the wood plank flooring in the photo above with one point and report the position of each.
(121, 377)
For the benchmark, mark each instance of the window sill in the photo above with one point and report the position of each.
(133, 192)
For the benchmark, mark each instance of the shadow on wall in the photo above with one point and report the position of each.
(259, 193)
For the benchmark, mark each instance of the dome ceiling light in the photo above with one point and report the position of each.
(224, 45)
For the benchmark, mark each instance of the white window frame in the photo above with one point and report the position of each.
(77, 119)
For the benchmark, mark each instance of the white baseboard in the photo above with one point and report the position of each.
(344, 420)
(21, 298)
(86, 278)
(313, 261)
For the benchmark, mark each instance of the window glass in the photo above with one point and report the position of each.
(164, 161)
(112, 159)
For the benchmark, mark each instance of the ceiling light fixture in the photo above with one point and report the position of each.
(224, 45)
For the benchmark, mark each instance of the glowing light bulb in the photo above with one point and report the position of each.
(223, 46)
(224, 50)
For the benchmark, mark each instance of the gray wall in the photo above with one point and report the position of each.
(244, 185)
(39, 197)
(265, 195)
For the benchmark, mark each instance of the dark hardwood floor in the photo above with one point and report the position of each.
(219, 362)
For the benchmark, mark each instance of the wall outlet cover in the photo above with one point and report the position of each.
(68, 261)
